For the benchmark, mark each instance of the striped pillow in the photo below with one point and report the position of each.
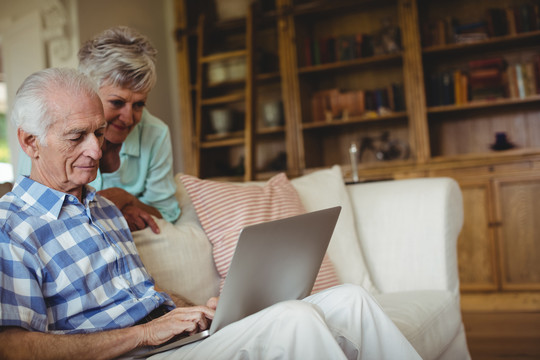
(225, 208)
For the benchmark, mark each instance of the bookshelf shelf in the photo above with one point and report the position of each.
(271, 130)
(528, 38)
(382, 60)
(487, 104)
(402, 115)
(223, 56)
(223, 99)
(223, 141)
(323, 8)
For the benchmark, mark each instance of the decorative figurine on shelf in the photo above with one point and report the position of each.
(501, 142)
(353, 153)
(273, 113)
(222, 120)
(383, 148)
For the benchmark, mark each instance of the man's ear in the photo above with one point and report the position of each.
(29, 143)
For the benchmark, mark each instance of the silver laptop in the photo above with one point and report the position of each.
(273, 261)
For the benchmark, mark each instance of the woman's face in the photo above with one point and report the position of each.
(123, 110)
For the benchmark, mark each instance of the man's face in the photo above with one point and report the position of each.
(123, 110)
(70, 156)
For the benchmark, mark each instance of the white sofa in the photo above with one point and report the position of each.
(406, 231)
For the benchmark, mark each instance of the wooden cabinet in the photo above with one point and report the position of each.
(299, 52)
(477, 255)
(499, 245)
(517, 210)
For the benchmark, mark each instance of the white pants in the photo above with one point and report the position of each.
(343, 322)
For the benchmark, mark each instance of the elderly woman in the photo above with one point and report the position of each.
(136, 166)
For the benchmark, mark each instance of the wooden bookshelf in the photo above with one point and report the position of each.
(444, 140)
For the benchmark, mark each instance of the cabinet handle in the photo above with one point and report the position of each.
(495, 224)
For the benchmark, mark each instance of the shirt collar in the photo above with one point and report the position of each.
(47, 200)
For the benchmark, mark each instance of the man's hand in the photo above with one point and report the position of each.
(139, 219)
(189, 320)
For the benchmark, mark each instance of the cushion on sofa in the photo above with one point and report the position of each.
(225, 208)
(179, 258)
(429, 319)
(326, 188)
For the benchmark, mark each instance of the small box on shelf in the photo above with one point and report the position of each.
(333, 104)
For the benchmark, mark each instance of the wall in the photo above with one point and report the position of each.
(85, 19)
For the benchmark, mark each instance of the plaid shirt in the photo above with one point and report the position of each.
(68, 267)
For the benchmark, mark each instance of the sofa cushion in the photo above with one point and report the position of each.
(179, 258)
(429, 319)
(326, 188)
(225, 208)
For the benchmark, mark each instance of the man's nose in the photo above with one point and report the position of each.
(93, 147)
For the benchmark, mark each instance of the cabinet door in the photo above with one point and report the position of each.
(476, 244)
(518, 212)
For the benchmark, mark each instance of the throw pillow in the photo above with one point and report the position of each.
(326, 188)
(225, 208)
(179, 258)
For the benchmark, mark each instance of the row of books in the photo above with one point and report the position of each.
(485, 79)
(331, 49)
(329, 105)
(496, 22)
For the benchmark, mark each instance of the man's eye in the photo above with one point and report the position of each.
(75, 139)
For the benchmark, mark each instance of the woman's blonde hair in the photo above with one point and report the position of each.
(120, 56)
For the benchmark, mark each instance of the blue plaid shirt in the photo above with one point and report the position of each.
(68, 267)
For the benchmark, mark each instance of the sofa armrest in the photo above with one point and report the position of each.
(408, 232)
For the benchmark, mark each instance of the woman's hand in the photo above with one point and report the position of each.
(138, 215)
(139, 219)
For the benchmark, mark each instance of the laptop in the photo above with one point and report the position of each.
(273, 261)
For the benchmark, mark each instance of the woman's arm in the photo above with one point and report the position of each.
(137, 213)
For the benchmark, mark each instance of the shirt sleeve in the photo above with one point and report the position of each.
(21, 300)
(160, 188)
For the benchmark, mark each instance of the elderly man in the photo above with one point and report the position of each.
(73, 285)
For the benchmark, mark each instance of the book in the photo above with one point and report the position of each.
(315, 52)
(318, 106)
(367, 45)
(448, 88)
(308, 60)
(511, 20)
(512, 82)
(487, 63)
(358, 46)
(457, 87)
(529, 80)
(519, 81)
(346, 48)
(497, 22)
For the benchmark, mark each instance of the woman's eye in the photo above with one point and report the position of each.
(139, 105)
(117, 103)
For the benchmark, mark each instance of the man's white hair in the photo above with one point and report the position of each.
(34, 109)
